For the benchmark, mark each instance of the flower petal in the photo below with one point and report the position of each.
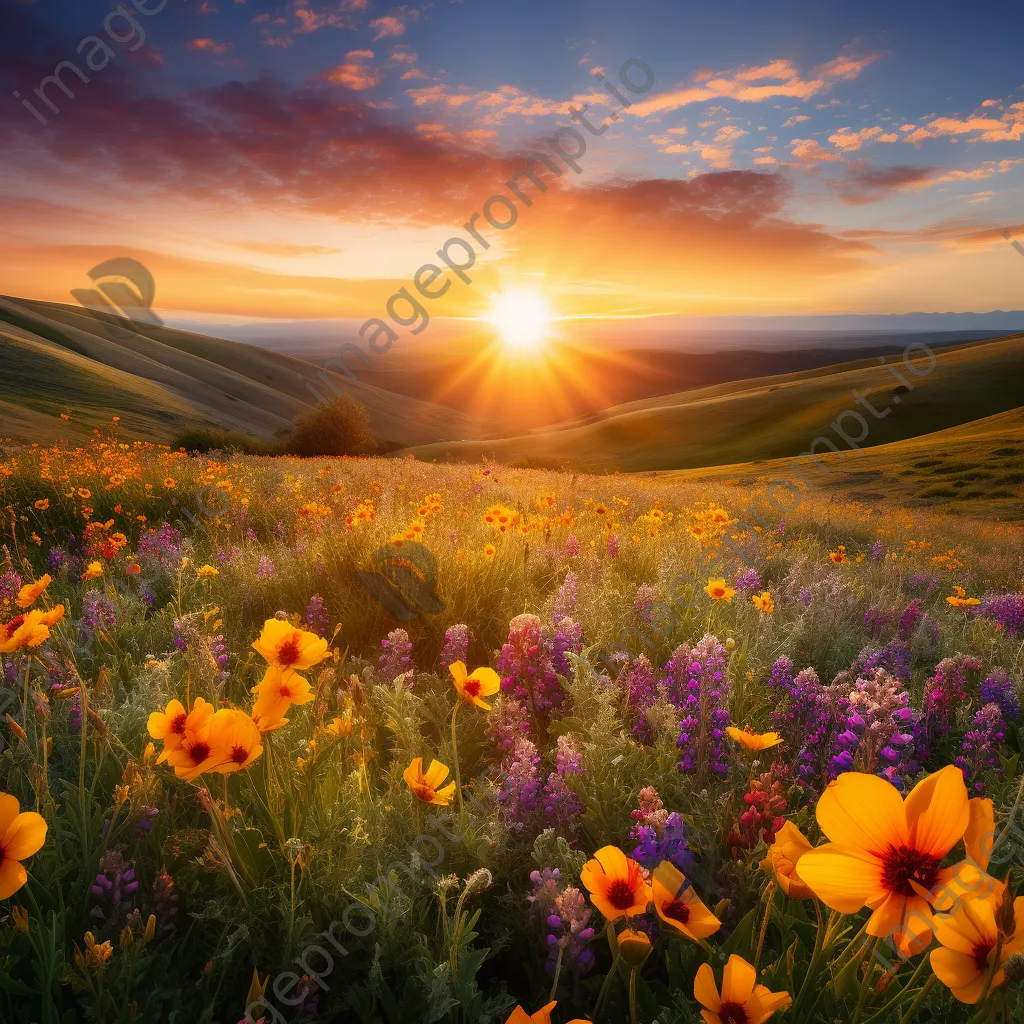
(12, 877)
(862, 812)
(24, 836)
(938, 811)
(738, 980)
(705, 991)
(842, 880)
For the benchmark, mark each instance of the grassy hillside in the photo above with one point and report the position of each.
(976, 469)
(772, 417)
(63, 359)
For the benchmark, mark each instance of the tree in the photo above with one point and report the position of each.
(339, 427)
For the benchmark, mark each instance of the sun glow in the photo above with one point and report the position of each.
(523, 319)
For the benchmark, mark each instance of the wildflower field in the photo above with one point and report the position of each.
(375, 740)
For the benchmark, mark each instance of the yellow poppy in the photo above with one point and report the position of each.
(22, 833)
(92, 571)
(29, 630)
(195, 754)
(764, 601)
(425, 785)
(285, 647)
(750, 740)
(205, 572)
(42, 504)
(276, 693)
(719, 590)
(969, 937)
(483, 682)
(886, 853)
(679, 906)
(489, 550)
(542, 1016)
(742, 1000)
(615, 883)
(173, 723)
(783, 857)
(238, 736)
(341, 727)
(29, 593)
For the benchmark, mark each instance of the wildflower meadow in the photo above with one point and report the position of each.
(381, 740)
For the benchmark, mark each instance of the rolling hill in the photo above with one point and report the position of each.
(772, 417)
(160, 381)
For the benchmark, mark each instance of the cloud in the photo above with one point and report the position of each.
(494, 106)
(1007, 128)
(863, 184)
(848, 140)
(207, 46)
(338, 16)
(395, 23)
(287, 250)
(354, 73)
(794, 120)
(811, 149)
(753, 85)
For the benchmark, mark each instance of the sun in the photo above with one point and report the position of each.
(523, 319)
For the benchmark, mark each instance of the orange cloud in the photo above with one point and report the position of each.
(387, 27)
(354, 74)
(811, 149)
(208, 45)
(847, 140)
(1008, 128)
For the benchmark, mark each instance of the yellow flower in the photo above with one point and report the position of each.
(886, 853)
(341, 727)
(489, 551)
(838, 556)
(425, 785)
(237, 737)
(742, 1000)
(28, 630)
(482, 683)
(22, 833)
(969, 937)
(615, 883)
(173, 724)
(718, 590)
(169, 483)
(206, 572)
(750, 740)
(42, 504)
(764, 601)
(276, 693)
(542, 1016)
(784, 856)
(92, 571)
(679, 906)
(285, 647)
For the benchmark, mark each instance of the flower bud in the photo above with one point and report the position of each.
(634, 947)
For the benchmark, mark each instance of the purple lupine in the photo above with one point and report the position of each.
(265, 568)
(566, 917)
(944, 693)
(876, 621)
(668, 843)
(144, 821)
(565, 599)
(981, 747)
(10, 585)
(1006, 609)
(114, 887)
(879, 734)
(643, 603)
(316, 617)
(521, 783)
(562, 807)
(159, 550)
(910, 620)
(227, 555)
(319, 565)
(527, 670)
(894, 658)
(221, 657)
(456, 645)
(567, 639)
(704, 700)
(572, 545)
(97, 613)
(612, 546)
(806, 596)
(507, 724)
(749, 580)
(397, 657)
(878, 551)
(1000, 689)
(641, 690)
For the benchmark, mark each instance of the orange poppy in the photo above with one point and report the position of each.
(426, 786)
(679, 906)
(742, 1000)
(483, 682)
(284, 646)
(784, 856)
(750, 740)
(29, 593)
(22, 833)
(615, 883)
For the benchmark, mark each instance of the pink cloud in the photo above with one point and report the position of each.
(794, 120)
(354, 74)
(388, 26)
(847, 140)
(207, 46)
(847, 65)
(811, 149)
(1008, 128)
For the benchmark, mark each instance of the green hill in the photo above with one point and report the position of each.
(160, 381)
(772, 417)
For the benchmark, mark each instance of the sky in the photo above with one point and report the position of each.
(297, 159)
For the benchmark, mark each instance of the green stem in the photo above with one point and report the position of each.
(865, 983)
(632, 995)
(819, 942)
(558, 971)
(764, 924)
(916, 1004)
(876, 1018)
(458, 778)
(606, 985)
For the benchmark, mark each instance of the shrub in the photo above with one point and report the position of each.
(340, 427)
(205, 439)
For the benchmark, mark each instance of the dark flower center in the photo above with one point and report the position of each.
(472, 687)
(200, 752)
(239, 755)
(980, 955)
(902, 865)
(178, 723)
(285, 691)
(288, 653)
(733, 1013)
(620, 895)
(13, 626)
(677, 910)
